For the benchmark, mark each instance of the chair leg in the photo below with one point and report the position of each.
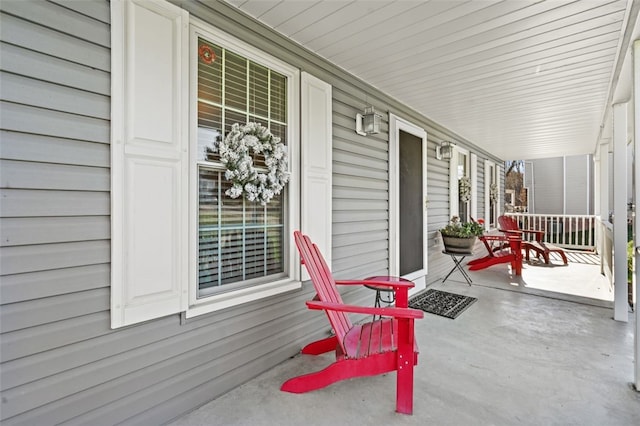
(564, 257)
(321, 346)
(309, 382)
(404, 385)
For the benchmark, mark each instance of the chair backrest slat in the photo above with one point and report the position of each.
(508, 223)
(323, 283)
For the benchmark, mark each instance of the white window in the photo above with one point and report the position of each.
(240, 248)
(460, 184)
(179, 244)
(491, 194)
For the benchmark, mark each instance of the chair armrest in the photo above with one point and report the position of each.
(538, 234)
(389, 312)
(392, 284)
(505, 238)
(511, 231)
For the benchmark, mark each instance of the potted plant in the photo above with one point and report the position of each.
(460, 237)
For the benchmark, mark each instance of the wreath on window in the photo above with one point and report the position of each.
(493, 192)
(237, 152)
(464, 189)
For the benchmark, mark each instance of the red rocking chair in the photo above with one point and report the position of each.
(369, 349)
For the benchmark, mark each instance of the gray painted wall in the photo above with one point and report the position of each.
(60, 361)
(560, 185)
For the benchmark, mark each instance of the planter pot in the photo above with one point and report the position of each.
(459, 245)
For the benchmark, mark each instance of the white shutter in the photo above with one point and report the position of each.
(316, 163)
(474, 186)
(499, 182)
(149, 160)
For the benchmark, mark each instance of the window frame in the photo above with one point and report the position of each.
(454, 201)
(491, 172)
(291, 281)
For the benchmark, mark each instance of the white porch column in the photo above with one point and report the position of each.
(605, 185)
(621, 311)
(636, 195)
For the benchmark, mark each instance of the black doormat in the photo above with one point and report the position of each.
(441, 303)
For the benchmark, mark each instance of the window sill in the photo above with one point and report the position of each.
(235, 298)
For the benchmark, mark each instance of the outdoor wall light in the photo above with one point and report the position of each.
(369, 122)
(445, 150)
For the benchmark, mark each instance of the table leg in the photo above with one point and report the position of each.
(458, 265)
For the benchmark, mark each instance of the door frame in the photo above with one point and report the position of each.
(396, 125)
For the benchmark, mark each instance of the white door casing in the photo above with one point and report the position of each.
(396, 125)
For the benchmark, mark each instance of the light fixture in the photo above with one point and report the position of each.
(368, 123)
(444, 151)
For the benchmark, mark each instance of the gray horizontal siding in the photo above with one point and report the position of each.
(23, 90)
(43, 284)
(29, 258)
(37, 65)
(34, 203)
(40, 121)
(33, 36)
(61, 361)
(31, 175)
(18, 316)
(45, 149)
(39, 230)
(97, 10)
(172, 359)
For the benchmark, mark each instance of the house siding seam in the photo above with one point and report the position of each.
(60, 360)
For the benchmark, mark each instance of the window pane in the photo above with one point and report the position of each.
(255, 251)
(209, 72)
(280, 131)
(278, 97)
(231, 256)
(258, 90)
(231, 118)
(209, 131)
(208, 259)
(232, 212)
(235, 81)
(254, 214)
(275, 211)
(208, 229)
(275, 255)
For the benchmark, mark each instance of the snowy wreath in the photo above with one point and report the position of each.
(236, 153)
(493, 192)
(464, 189)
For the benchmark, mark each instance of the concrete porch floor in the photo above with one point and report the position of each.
(511, 358)
(579, 281)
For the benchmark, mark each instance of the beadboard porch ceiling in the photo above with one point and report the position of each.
(521, 79)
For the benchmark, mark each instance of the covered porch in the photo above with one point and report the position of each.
(520, 354)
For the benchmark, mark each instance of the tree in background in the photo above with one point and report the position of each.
(515, 194)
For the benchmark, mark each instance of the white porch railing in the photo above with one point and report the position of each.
(564, 230)
(577, 232)
(605, 248)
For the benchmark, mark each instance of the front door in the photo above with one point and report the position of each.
(407, 198)
(411, 204)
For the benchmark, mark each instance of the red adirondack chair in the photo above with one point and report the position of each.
(369, 349)
(510, 226)
(500, 249)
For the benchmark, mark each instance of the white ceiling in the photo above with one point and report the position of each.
(522, 79)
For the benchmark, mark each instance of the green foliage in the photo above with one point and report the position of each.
(630, 261)
(455, 228)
